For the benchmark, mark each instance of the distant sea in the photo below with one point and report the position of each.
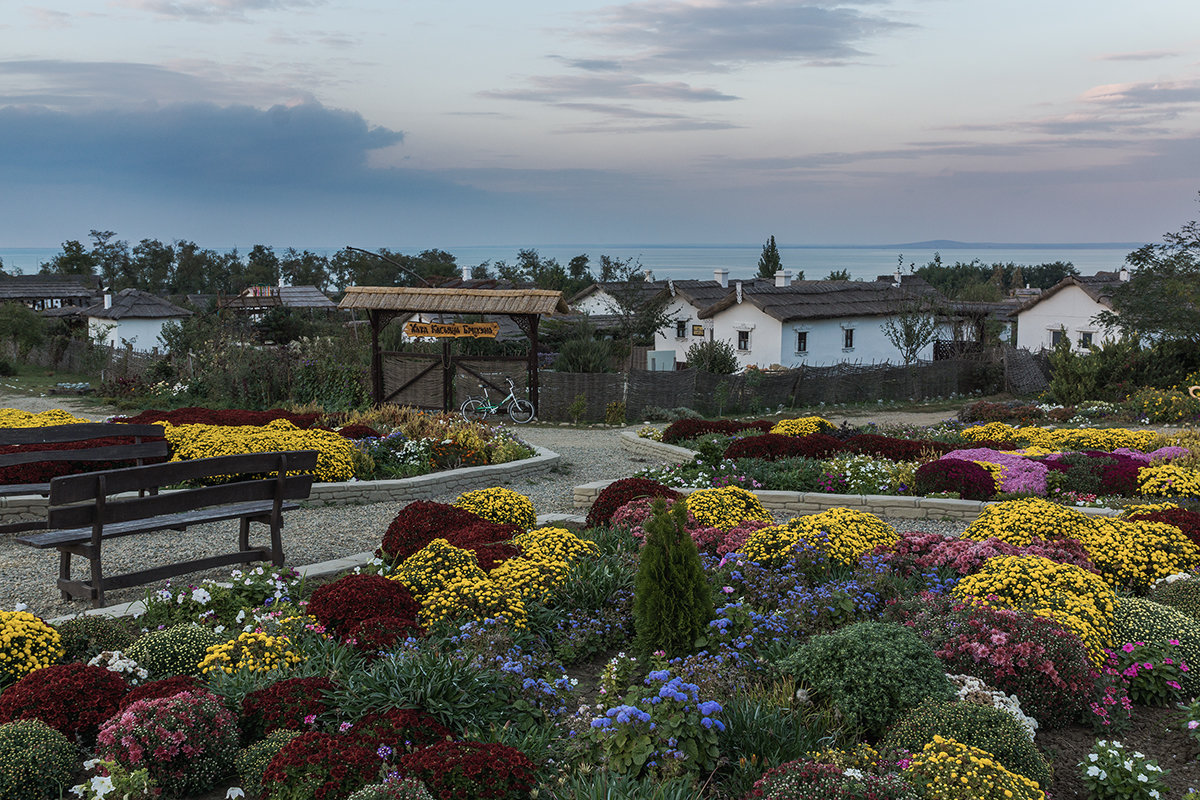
(683, 262)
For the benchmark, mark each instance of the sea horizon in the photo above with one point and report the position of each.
(698, 261)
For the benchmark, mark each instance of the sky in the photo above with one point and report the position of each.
(412, 124)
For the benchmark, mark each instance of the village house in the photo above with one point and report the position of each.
(1067, 309)
(131, 316)
(53, 295)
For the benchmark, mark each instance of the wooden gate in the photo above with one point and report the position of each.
(444, 380)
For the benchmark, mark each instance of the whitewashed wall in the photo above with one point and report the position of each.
(1069, 308)
(667, 338)
(141, 333)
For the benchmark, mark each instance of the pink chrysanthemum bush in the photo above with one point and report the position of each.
(187, 742)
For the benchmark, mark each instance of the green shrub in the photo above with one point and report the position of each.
(1181, 595)
(583, 355)
(871, 671)
(252, 761)
(716, 356)
(89, 635)
(173, 651)
(36, 761)
(1141, 620)
(7, 370)
(614, 413)
(985, 727)
(672, 601)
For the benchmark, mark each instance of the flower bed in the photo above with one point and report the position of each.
(444, 664)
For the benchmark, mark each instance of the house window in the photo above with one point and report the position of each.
(801, 341)
(681, 329)
(848, 339)
(1056, 337)
(1085, 339)
(743, 340)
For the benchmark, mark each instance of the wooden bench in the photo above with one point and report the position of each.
(85, 510)
(138, 451)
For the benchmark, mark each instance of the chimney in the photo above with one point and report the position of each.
(783, 278)
(671, 286)
(107, 300)
(721, 276)
(466, 272)
(1124, 274)
(899, 279)
(281, 283)
(739, 291)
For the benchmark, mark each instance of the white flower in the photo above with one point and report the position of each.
(853, 773)
(20, 607)
(1093, 757)
(201, 596)
(101, 786)
(1142, 778)
(219, 629)
(234, 791)
(1093, 771)
(91, 762)
(78, 789)
(1128, 765)
(241, 616)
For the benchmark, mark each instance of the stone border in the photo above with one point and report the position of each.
(27, 508)
(648, 447)
(323, 569)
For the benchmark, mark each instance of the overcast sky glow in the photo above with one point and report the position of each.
(422, 124)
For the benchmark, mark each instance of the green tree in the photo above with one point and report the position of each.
(769, 262)
(1161, 299)
(672, 602)
(195, 269)
(304, 269)
(716, 356)
(112, 258)
(73, 260)
(150, 266)
(21, 326)
(637, 304)
(913, 327)
(262, 268)
(838, 275)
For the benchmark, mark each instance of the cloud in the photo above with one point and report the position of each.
(1147, 93)
(213, 10)
(81, 85)
(1144, 55)
(558, 88)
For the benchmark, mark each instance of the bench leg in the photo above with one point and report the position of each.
(244, 535)
(64, 570)
(276, 543)
(97, 581)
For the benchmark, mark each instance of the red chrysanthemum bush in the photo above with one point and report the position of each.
(382, 633)
(346, 602)
(469, 770)
(422, 521)
(1035, 658)
(44, 471)
(320, 766)
(284, 704)
(187, 742)
(167, 687)
(916, 550)
(71, 698)
(194, 415)
(402, 729)
(1186, 521)
(620, 492)
(968, 479)
(768, 446)
(895, 449)
(684, 429)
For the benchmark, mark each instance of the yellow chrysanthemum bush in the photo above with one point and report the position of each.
(334, 462)
(1062, 439)
(950, 770)
(254, 651)
(15, 418)
(499, 505)
(726, 507)
(992, 431)
(1018, 521)
(26, 643)
(1079, 600)
(1168, 480)
(802, 426)
(449, 584)
(547, 557)
(842, 534)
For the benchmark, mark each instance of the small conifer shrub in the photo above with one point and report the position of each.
(672, 602)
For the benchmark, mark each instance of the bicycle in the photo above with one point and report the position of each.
(478, 408)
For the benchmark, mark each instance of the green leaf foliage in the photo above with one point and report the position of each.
(672, 602)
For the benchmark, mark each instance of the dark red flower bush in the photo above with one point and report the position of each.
(685, 429)
(819, 445)
(358, 431)
(894, 448)
(402, 729)
(468, 770)
(1045, 665)
(971, 481)
(382, 633)
(768, 446)
(422, 521)
(328, 766)
(221, 416)
(1186, 521)
(620, 492)
(284, 704)
(348, 601)
(71, 698)
(167, 687)
(1120, 478)
(44, 471)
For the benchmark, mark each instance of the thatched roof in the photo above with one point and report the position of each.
(820, 299)
(136, 304)
(1099, 287)
(47, 287)
(454, 301)
(645, 291)
(700, 294)
(256, 298)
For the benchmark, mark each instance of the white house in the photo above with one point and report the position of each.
(1067, 309)
(132, 316)
(688, 299)
(815, 323)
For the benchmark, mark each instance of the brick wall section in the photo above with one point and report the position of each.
(422, 487)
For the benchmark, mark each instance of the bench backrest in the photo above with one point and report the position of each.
(84, 432)
(92, 489)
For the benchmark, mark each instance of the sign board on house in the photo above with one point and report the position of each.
(448, 330)
(697, 330)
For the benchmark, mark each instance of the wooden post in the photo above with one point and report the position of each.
(376, 359)
(447, 375)
(533, 361)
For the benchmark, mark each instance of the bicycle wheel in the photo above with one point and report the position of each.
(474, 409)
(521, 411)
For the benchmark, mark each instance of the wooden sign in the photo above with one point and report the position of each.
(697, 330)
(449, 330)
